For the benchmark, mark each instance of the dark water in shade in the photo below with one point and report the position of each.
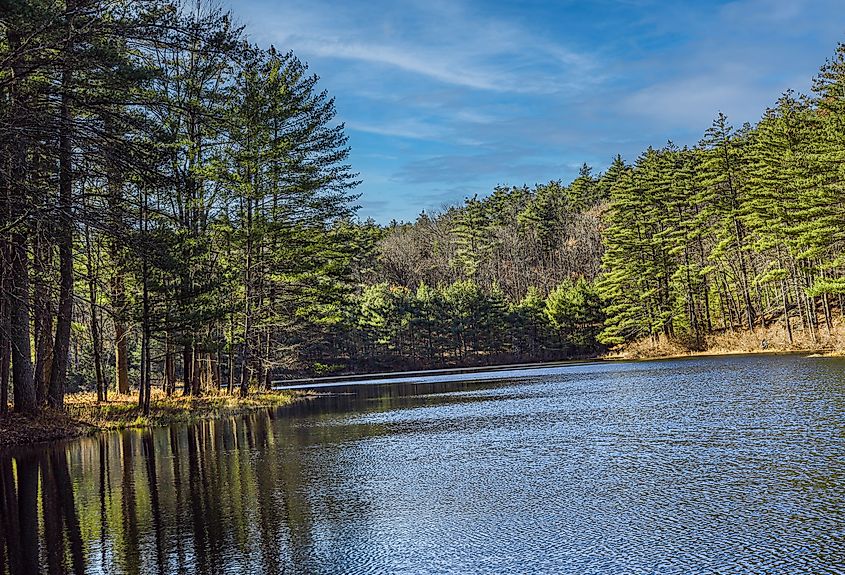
(715, 465)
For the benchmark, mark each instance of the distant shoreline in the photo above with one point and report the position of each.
(84, 416)
(307, 382)
(769, 340)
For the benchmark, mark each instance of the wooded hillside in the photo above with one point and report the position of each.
(739, 232)
(176, 210)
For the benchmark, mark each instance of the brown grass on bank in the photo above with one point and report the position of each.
(741, 341)
(83, 415)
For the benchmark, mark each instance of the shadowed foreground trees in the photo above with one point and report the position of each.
(184, 182)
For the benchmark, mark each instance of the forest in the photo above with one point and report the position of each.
(177, 210)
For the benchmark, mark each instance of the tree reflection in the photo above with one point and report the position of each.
(225, 495)
(21, 479)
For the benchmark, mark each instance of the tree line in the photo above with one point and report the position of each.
(172, 198)
(741, 231)
(504, 278)
(177, 210)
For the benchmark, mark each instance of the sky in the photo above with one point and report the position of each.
(445, 99)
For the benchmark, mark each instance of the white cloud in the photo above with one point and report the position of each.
(433, 65)
(441, 41)
(401, 129)
(694, 101)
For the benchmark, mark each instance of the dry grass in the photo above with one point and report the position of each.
(83, 415)
(741, 341)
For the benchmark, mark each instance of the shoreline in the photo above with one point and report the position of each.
(305, 383)
(626, 355)
(763, 340)
(722, 353)
(83, 416)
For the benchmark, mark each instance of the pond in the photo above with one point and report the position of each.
(706, 465)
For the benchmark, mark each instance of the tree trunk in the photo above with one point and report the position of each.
(121, 356)
(230, 356)
(22, 375)
(16, 260)
(169, 367)
(5, 325)
(196, 372)
(786, 321)
(798, 299)
(187, 368)
(145, 385)
(246, 348)
(147, 381)
(58, 374)
(5, 350)
(96, 343)
(43, 318)
(218, 370)
(142, 389)
(827, 316)
(116, 287)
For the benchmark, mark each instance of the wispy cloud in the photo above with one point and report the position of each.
(432, 65)
(445, 42)
(736, 58)
(410, 129)
(446, 98)
(693, 101)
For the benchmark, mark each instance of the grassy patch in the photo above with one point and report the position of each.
(83, 415)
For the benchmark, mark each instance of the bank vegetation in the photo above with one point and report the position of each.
(177, 218)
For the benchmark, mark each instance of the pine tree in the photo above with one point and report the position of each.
(584, 192)
(624, 286)
(776, 194)
(471, 233)
(530, 324)
(721, 198)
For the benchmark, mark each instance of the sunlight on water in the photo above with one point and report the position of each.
(712, 465)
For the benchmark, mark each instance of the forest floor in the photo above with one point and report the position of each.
(771, 339)
(84, 416)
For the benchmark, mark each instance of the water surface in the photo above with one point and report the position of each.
(710, 465)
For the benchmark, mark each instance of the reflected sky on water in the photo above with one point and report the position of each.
(709, 465)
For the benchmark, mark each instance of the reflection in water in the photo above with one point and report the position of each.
(199, 499)
(700, 466)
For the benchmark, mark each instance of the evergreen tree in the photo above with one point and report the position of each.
(584, 191)
(471, 235)
(722, 196)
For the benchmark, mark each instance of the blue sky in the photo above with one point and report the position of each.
(444, 99)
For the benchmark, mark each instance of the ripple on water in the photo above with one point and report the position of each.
(651, 476)
(711, 465)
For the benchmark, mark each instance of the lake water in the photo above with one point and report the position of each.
(711, 465)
